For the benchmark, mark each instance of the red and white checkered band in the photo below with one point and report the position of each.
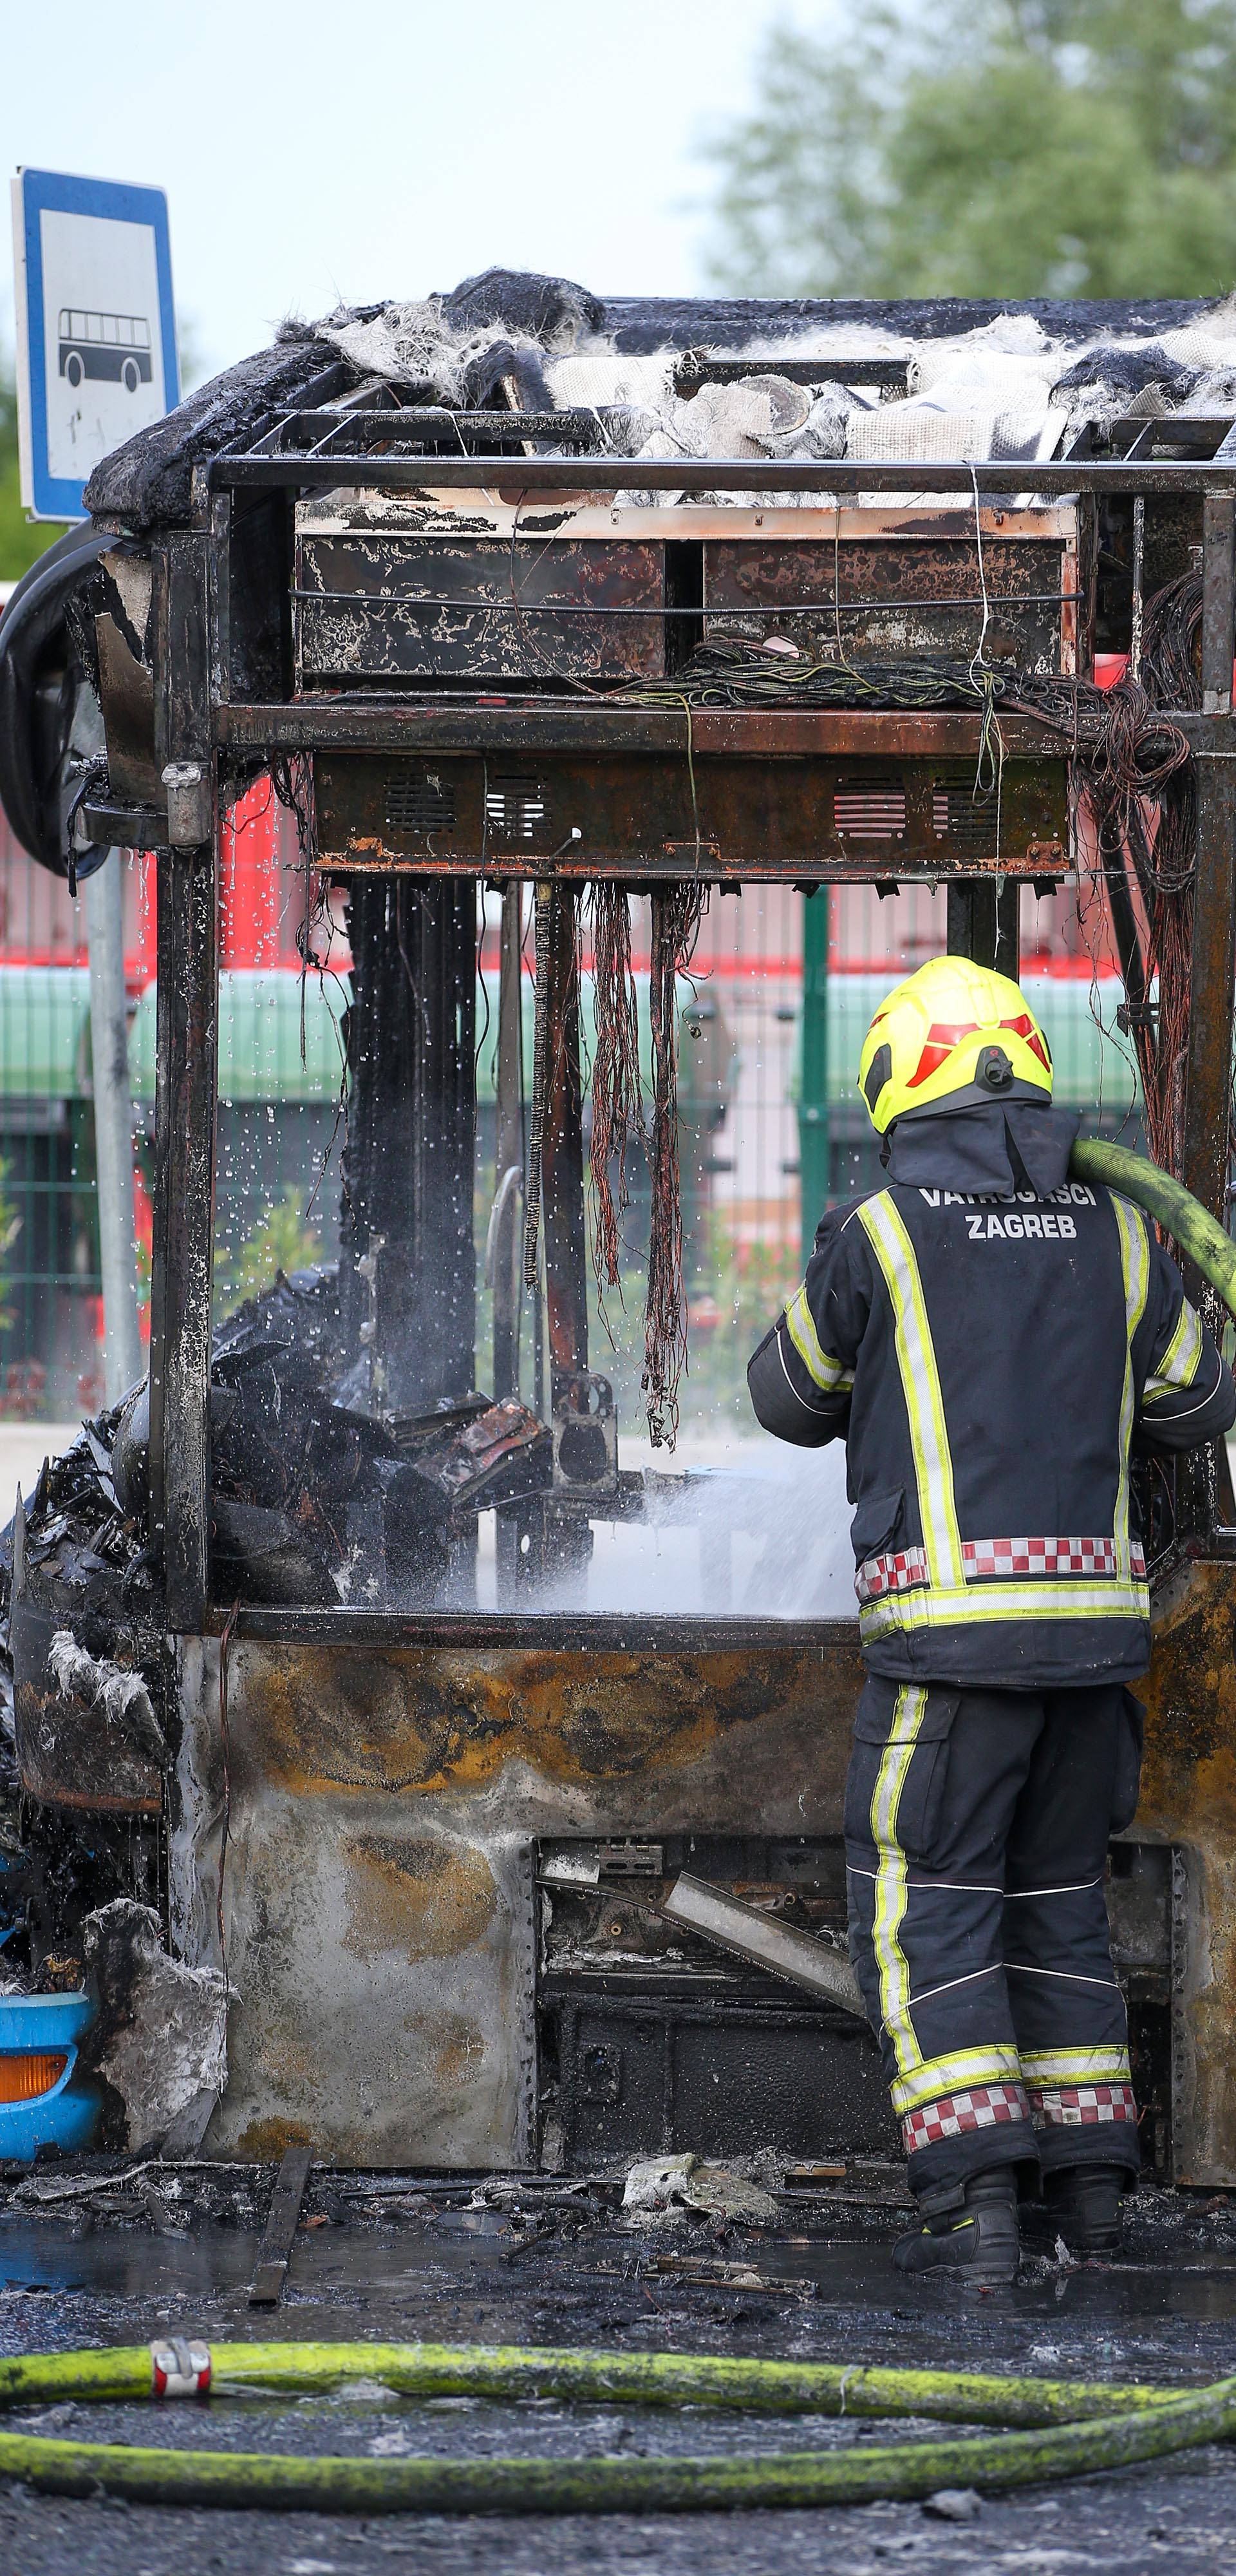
(985, 2106)
(891, 1573)
(986, 1558)
(1081, 2106)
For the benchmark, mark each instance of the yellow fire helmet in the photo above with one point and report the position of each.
(952, 1033)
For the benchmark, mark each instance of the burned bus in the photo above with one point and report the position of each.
(581, 619)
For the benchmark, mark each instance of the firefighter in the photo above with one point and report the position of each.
(995, 1342)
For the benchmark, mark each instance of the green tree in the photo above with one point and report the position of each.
(986, 147)
(21, 539)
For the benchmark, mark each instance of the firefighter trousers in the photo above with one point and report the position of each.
(976, 1826)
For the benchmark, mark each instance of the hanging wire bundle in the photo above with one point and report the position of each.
(291, 777)
(1171, 643)
(677, 912)
(1135, 770)
(1120, 727)
(617, 1116)
(1131, 764)
(1165, 870)
(728, 672)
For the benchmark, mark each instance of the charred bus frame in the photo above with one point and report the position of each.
(625, 1727)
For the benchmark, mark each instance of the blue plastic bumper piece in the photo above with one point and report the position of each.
(67, 2115)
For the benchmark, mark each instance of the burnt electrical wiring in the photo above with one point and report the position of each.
(677, 912)
(617, 1116)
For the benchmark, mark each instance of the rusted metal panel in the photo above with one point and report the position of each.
(642, 815)
(361, 721)
(933, 594)
(650, 1734)
(378, 1898)
(383, 1807)
(385, 607)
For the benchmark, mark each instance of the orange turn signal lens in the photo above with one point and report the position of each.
(24, 2075)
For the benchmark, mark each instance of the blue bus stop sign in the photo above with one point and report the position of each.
(96, 332)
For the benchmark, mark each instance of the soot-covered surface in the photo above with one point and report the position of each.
(550, 2263)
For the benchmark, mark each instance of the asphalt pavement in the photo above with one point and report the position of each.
(109, 2256)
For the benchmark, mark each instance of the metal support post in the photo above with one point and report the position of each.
(1217, 595)
(509, 1151)
(1209, 1065)
(407, 1261)
(186, 1043)
(103, 895)
(814, 1142)
(183, 1227)
(1208, 1073)
(562, 1152)
(983, 922)
(506, 1246)
(562, 1191)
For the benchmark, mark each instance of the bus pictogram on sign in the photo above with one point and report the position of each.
(112, 348)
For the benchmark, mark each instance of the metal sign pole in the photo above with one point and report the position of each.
(96, 362)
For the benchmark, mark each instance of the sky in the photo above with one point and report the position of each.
(316, 154)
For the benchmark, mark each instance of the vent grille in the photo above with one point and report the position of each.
(875, 812)
(516, 808)
(419, 800)
(958, 815)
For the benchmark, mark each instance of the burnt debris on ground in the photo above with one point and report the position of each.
(117, 2250)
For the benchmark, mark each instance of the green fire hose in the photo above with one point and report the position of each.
(1073, 2429)
(1169, 1202)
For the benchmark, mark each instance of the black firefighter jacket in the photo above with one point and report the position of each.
(990, 1339)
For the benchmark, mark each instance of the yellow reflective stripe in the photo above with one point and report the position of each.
(1075, 2065)
(890, 1877)
(935, 2077)
(1135, 1264)
(1179, 1364)
(920, 1385)
(969, 1605)
(973, 1604)
(826, 1373)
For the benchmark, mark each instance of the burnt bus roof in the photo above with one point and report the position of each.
(147, 482)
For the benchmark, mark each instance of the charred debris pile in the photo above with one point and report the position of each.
(314, 1500)
(80, 1631)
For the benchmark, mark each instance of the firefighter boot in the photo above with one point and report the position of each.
(1083, 2206)
(969, 2231)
